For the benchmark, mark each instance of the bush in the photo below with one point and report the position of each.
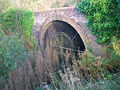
(103, 18)
(104, 21)
(15, 36)
(116, 45)
(12, 53)
(20, 21)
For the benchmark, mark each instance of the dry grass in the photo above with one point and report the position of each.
(84, 74)
(34, 71)
(37, 5)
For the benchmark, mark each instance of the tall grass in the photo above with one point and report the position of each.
(88, 72)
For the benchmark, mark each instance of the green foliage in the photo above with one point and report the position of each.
(103, 18)
(116, 78)
(116, 45)
(15, 38)
(12, 52)
(89, 64)
(113, 59)
(12, 49)
(20, 21)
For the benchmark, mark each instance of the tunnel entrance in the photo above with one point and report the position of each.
(62, 37)
(60, 34)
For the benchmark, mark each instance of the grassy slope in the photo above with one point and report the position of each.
(36, 5)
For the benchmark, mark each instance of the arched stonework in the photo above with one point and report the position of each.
(71, 16)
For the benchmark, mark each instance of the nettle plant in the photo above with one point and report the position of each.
(103, 18)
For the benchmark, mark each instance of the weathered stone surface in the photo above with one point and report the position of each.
(71, 16)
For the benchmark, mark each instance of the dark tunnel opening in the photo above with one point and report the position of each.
(72, 39)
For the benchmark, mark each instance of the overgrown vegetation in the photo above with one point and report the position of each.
(12, 53)
(16, 38)
(103, 18)
(18, 21)
(104, 22)
(86, 72)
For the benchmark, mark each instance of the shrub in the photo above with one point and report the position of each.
(18, 20)
(12, 52)
(113, 59)
(103, 18)
(116, 45)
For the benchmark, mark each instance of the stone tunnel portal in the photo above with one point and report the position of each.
(61, 36)
(64, 28)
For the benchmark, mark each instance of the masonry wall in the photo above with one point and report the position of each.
(71, 16)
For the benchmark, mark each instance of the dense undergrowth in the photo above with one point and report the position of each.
(18, 21)
(85, 72)
(16, 39)
(104, 22)
(103, 18)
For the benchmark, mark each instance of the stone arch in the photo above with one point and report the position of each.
(69, 21)
(81, 28)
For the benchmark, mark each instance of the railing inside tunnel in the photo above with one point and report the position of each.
(70, 49)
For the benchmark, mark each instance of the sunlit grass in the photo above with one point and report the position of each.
(36, 5)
